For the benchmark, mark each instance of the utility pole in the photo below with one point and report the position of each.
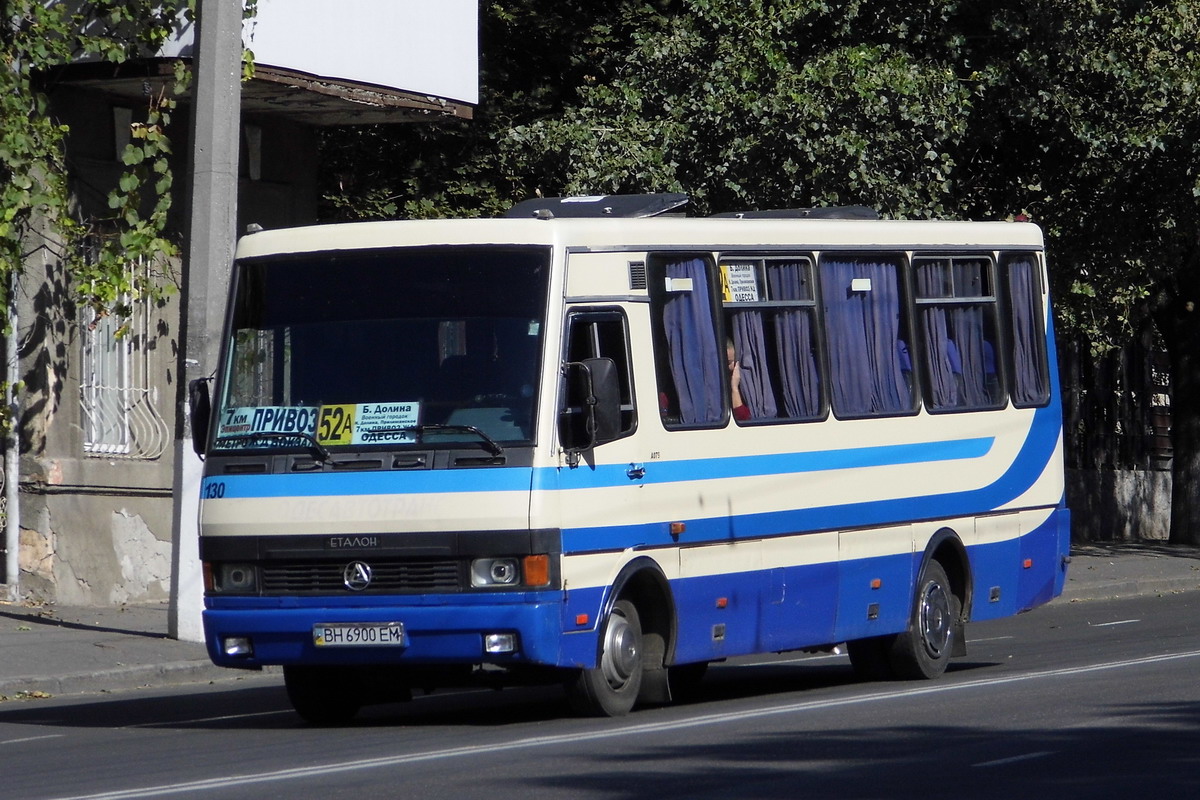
(12, 451)
(215, 140)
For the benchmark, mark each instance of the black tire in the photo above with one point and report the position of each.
(923, 651)
(323, 695)
(611, 689)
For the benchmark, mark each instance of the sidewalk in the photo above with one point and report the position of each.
(63, 650)
(57, 650)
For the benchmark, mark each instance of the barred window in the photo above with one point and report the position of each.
(118, 401)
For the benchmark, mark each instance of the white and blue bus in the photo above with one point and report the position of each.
(593, 444)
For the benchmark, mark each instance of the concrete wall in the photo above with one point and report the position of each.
(1117, 506)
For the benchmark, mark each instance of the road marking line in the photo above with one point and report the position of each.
(172, 723)
(1014, 759)
(1118, 622)
(34, 738)
(705, 720)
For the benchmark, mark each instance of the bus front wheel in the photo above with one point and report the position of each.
(610, 689)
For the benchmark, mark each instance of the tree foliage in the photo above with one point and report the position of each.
(1095, 112)
(741, 104)
(1082, 114)
(37, 38)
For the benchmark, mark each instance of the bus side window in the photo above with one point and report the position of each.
(603, 334)
(956, 309)
(1026, 328)
(770, 318)
(866, 333)
(692, 375)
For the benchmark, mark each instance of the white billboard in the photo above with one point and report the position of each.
(417, 46)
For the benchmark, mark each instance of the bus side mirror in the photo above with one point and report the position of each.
(592, 415)
(199, 413)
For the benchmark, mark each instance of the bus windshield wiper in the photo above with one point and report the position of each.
(489, 443)
(314, 447)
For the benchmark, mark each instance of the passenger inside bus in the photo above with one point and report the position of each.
(741, 411)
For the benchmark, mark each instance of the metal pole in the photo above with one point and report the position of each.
(12, 453)
(216, 136)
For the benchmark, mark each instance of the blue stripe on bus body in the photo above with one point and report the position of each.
(1027, 467)
(608, 475)
(345, 484)
(604, 476)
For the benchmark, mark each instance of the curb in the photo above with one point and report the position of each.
(147, 676)
(1132, 587)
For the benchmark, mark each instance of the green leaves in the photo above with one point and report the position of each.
(41, 37)
(1096, 98)
(1082, 114)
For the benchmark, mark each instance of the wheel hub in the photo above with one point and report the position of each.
(935, 622)
(620, 656)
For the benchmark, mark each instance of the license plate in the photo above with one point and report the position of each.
(359, 634)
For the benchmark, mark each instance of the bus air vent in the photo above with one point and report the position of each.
(637, 275)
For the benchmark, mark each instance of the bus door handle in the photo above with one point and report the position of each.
(636, 472)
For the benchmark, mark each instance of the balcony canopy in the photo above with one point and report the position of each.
(335, 62)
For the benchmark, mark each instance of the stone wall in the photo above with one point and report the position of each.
(1119, 505)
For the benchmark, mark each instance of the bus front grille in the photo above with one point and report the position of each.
(387, 576)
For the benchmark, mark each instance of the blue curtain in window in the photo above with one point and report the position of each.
(750, 345)
(1031, 383)
(973, 351)
(697, 365)
(863, 331)
(796, 354)
(970, 337)
(938, 349)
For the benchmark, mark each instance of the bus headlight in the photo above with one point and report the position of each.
(499, 643)
(236, 579)
(495, 572)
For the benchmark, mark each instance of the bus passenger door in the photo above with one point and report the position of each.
(597, 419)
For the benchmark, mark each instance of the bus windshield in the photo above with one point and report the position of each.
(383, 348)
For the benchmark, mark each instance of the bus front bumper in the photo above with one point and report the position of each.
(249, 633)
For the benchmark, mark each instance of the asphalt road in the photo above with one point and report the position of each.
(1095, 700)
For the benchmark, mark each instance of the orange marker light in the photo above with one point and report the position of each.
(722, 602)
(876, 583)
(537, 570)
(678, 528)
(581, 619)
(1028, 563)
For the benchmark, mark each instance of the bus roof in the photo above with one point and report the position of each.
(701, 233)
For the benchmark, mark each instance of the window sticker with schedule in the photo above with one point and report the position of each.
(367, 423)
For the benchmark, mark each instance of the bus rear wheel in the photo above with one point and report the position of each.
(610, 689)
(322, 695)
(923, 651)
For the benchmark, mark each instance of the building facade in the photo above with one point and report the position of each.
(97, 405)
